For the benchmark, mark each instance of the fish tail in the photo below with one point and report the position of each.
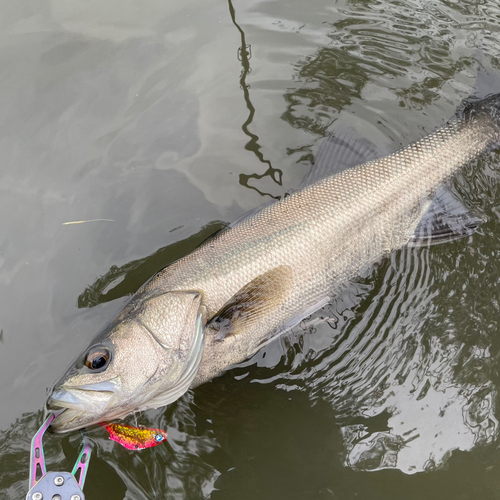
(488, 106)
(484, 102)
(483, 115)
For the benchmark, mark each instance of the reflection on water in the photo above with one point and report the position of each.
(408, 362)
(244, 55)
(393, 351)
(404, 362)
(400, 372)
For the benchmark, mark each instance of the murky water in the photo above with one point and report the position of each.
(169, 119)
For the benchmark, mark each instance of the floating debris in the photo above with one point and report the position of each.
(84, 221)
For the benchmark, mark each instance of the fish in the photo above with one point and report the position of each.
(134, 438)
(263, 274)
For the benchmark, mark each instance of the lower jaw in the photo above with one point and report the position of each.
(67, 421)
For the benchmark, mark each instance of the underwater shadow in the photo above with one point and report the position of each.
(127, 279)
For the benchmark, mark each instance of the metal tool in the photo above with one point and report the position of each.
(56, 485)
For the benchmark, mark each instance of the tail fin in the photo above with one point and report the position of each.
(484, 99)
(487, 83)
(486, 113)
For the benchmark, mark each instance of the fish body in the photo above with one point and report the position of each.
(295, 254)
(135, 438)
(265, 273)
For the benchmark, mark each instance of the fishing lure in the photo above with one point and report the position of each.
(135, 438)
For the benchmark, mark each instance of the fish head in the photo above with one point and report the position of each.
(146, 358)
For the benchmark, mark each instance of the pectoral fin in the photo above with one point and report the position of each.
(447, 219)
(253, 302)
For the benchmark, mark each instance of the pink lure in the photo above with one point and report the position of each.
(135, 438)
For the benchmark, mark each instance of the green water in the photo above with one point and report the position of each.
(170, 119)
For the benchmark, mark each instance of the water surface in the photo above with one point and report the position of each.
(170, 119)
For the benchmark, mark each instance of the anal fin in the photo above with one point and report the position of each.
(446, 219)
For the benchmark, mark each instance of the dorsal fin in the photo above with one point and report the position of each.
(340, 150)
(252, 302)
(487, 83)
(447, 219)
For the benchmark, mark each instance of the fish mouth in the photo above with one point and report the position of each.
(82, 405)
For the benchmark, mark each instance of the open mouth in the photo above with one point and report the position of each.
(82, 406)
(70, 419)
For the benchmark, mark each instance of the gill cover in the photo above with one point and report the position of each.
(150, 354)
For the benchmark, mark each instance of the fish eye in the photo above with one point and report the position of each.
(97, 358)
(158, 438)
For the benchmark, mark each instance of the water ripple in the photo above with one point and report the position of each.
(415, 344)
